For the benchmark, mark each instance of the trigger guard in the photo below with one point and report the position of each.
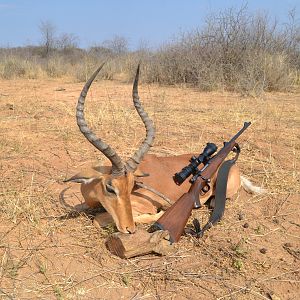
(204, 191)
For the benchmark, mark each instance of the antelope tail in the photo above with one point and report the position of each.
(250, 187)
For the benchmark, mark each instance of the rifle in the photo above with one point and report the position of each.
(176, 216)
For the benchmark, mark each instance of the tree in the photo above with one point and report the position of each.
(67, 41)
(48, 31)
(118, 45)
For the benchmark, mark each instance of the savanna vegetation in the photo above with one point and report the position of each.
(235, 51)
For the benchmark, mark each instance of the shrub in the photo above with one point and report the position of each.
(12, 68)
(234, 51)
(15, 67)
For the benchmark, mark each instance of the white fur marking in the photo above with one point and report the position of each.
(250, 187)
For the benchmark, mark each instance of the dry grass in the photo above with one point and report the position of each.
(46, 253)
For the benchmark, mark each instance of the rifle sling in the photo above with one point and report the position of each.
(220, 195)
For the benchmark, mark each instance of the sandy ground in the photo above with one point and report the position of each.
(48, 253)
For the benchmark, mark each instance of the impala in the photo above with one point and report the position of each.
(136, 190)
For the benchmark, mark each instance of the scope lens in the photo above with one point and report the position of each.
(210, 149)
(180, 177)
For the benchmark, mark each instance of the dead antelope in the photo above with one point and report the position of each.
(118, 187)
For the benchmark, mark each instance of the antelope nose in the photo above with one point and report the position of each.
(130, 229)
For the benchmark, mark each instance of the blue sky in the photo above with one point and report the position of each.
(92, 21)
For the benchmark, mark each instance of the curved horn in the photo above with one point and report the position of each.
(133, 162)
(118, 167)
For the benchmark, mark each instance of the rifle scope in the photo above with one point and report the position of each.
(192, 168)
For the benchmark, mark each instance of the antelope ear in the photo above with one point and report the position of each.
(80, 179)
(139, 173)
(85, 177)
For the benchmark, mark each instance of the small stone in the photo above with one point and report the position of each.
(287, 245)
(10, 106)
(246, 225)
(241, 216)
(263, 250)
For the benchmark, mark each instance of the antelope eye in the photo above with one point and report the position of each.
(110, 189)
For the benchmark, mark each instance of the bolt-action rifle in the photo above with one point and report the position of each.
(176, 216)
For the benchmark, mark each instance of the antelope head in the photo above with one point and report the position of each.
(111, 186)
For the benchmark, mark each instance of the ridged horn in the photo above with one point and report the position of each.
(133, 162)
(118, 167)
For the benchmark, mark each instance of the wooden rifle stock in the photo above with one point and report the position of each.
(176, 217)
